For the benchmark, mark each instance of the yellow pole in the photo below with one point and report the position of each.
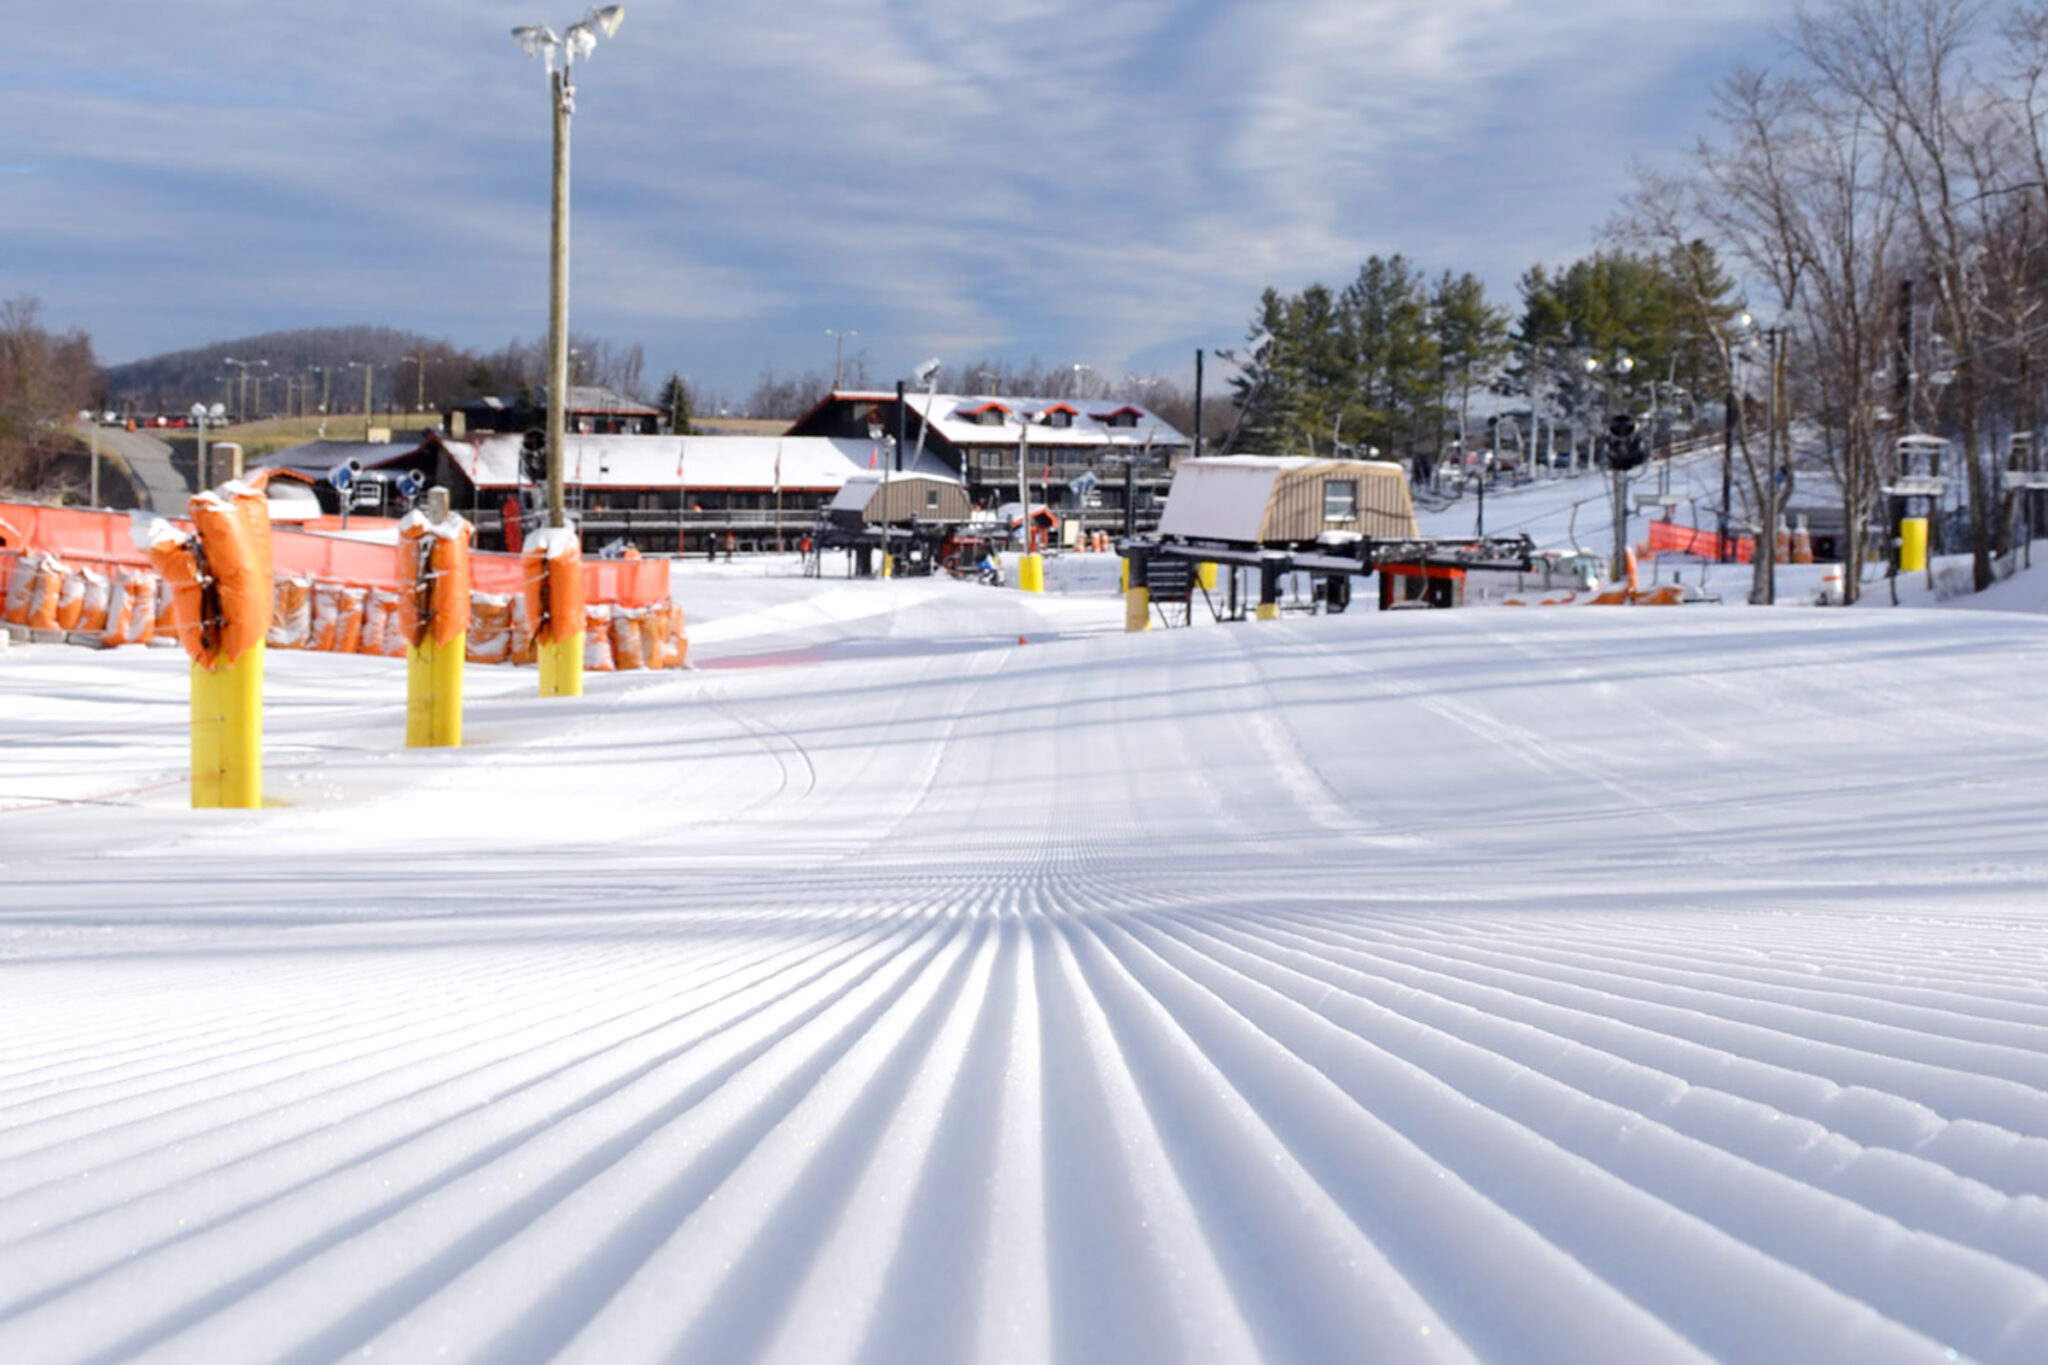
(433, 698)
(1268, 611)
(227, 733)
(1137, 609)
(1205, 574)
(561, 667)
(1031, 573)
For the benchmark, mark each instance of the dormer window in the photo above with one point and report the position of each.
(1059, 415)
(1122, 417)
(986, 415)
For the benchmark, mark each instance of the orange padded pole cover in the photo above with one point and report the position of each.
(448, 583)
(555, 557)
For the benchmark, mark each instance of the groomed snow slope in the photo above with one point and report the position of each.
(1570, 986)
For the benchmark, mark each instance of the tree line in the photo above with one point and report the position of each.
(46, 379)
(1887, 189)
(1883, 193)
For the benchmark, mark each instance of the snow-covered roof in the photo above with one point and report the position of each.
(626, 461)
(582, 398)
(316, 458)
(952, 416)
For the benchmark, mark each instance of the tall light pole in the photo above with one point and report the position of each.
(838, 352)
(578, 40)
(1617, 474)
(369, 369)
(1730, 414)
(1765, 592)
(242, 391)
(92, 423)
(419, 396)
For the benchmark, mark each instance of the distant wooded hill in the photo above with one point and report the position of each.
(321, 369)
(286, 371)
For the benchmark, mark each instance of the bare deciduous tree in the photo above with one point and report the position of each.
(45, 379)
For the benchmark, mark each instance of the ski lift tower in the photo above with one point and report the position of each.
(1913, 500)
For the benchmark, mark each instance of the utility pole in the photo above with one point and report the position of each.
(1765, 592)
(838, 352)
(419, 398)
(369, 370)
(558, 298)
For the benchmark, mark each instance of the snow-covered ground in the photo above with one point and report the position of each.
(1574, 985)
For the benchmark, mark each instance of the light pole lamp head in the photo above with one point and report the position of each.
(928, 372)
(538, 40)
(580, 38)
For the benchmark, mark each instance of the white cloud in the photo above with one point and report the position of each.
(1114, 177)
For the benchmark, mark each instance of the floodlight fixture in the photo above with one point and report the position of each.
(928, 371)
(578, 40)
(538, 40)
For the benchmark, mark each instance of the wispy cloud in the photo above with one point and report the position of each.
(1111, 182)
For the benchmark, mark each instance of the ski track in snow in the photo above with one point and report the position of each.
(1467, 987)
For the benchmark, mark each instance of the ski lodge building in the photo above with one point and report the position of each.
(668, 494)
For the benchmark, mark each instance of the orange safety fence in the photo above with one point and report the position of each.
(72, 570)
(79, 535)
(1668, 537)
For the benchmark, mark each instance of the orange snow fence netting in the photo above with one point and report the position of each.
(1668, 537)
(490, 629)
(229, 578)
(291, 613)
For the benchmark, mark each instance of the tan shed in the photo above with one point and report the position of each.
(867, 500)
(1275, 500)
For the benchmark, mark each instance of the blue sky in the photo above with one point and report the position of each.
(1109, 183)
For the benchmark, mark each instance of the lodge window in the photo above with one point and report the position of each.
(1059, 419)
(1340, 499)
(931, 499)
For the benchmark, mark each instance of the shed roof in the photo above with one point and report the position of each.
(1224, 497)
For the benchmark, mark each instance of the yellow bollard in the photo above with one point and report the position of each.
(221, 600)
(1268, 611)
(1031, 573)
(1912, 544)
(227, 733)
(433, 695)
(1205, 574)
(434, 583)
(561, 667)
(1137, 607)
